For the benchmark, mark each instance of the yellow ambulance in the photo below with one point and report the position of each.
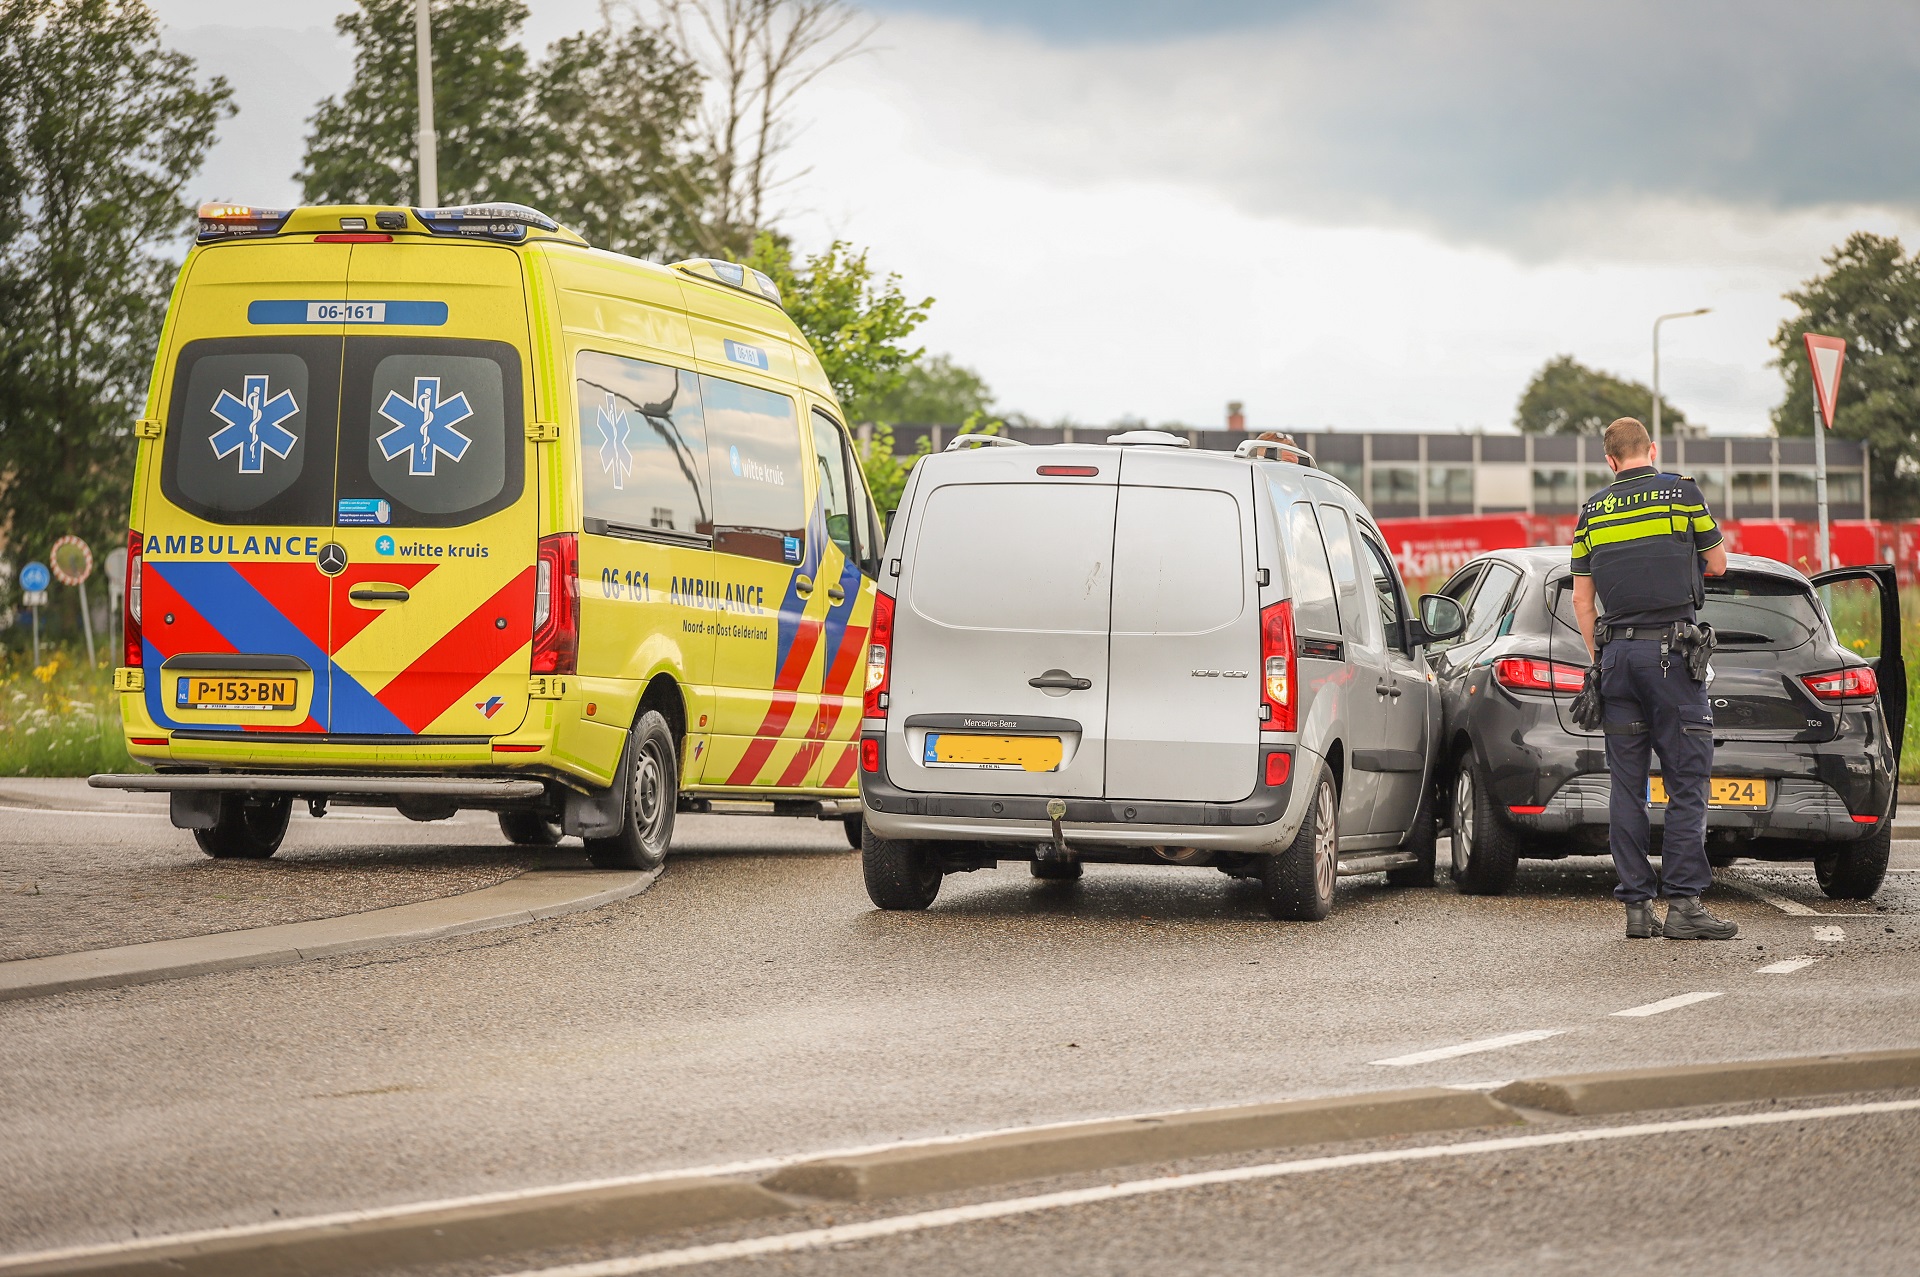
(442, 509)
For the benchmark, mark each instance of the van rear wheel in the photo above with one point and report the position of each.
(901, 873)
(1298, 882)
(529, 829)
(653, 794)
(249, 827)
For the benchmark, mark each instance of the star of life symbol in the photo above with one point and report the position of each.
(253, 426)
(615, 457)
(424, 426)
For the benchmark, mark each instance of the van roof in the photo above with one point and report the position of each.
(1286, 474)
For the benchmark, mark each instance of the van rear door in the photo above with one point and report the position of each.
(432, 615)
(999, 680)
(1183, 700)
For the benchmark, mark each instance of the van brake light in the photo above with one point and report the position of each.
(1856, 682)
(1279, 669)
(556, 605)
(1527, 674)
(130, 620)
(879, 657)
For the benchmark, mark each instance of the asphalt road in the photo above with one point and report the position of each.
(753, 1003)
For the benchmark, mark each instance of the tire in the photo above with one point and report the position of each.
(1722, 859)
(853, 825)
(248, 828)
(1058, 870)
(1420, 841)
(1855, 870)
(529, 829)
(653, 795)
(1298, 882)
(900, 873)
(1486, 853)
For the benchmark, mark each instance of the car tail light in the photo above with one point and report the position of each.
(1526, 674)
(870, 754)
(130, 618)
(879, 662)
(1855, 682)
(1279, 767)
(1279, 668)
(556, 605)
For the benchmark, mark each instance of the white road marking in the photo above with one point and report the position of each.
(1787, 966)
(898, 1225)
(1478, 1086)
(1779, 902)
(1467, 1048)
(1829, 935)
(1669, 1004)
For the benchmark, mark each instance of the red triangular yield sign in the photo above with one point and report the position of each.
(1825, 355)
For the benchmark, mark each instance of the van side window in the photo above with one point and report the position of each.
(830, 467)
(1386, 593)
(1346, 573)
(643, 446)
(1312, 579)
(753, 455)
(250, 430)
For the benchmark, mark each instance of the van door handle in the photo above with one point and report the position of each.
(1061, 679)
(365, 595)
(803, 586)
(836, 595)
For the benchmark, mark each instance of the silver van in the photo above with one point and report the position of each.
(1138, 654)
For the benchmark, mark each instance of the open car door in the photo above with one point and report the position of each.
(1864, 605)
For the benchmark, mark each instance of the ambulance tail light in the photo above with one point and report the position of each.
(1279, 669)
(879, 656)
(131, 615)
(556, 605)
(1856, 682)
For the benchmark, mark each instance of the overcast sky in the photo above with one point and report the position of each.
(1374, 215)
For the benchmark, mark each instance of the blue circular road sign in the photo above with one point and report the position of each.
(35, 577)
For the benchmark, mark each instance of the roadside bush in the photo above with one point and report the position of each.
(60, 718)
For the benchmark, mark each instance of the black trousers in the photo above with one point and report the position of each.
(1651, 710)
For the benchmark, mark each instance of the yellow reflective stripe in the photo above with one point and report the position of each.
(1637, 512)
(1629, 532)
(1704, 523)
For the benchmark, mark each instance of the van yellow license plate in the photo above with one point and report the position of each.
(236, 692)
(993, 753)
(1722, 791)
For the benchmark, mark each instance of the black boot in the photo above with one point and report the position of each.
(1688, 919)
(1641, 924)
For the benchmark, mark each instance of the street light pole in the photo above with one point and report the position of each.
(1679, 314)
(428, 141)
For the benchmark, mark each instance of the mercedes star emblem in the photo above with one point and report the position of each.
(333, 559)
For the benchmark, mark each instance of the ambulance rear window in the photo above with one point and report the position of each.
(250, 429)
(759, 487)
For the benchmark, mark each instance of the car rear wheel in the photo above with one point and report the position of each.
(529, 829)
(901, 873)
(1058, 870)
(1855, 870)
(1298, 883)
(1486, 854)
(653, 793)
(248, 827)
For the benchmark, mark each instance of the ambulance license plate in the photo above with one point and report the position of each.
(993, 753)
(1722, 791)
(236, 692)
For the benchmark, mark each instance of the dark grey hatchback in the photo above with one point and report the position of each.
(1807, 728)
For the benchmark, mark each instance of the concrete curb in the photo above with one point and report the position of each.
(1095, 1146)
(505, 1224)
(531, 897)
(1684, 1086)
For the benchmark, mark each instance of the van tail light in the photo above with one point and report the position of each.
(130, 618)
(1279, 669)
(879, 656)
(1527, 674)
(556, 605)
(1856, 682)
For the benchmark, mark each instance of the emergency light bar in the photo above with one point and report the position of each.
(486, 221)
(231, 221)
(733, 275)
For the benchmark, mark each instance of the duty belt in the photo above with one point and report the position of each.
(1660, 631)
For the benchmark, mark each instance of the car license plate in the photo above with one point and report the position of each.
(236, 692)
(1722, 791)
(993, 753)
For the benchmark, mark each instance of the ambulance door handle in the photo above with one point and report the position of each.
(836, 594)
(364, 595)
(803, 586)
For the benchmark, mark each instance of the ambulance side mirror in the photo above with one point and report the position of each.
(1441, 618)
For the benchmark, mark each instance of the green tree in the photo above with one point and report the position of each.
(364, 145)
(1568, 398)
(934, 390)
(103, 128)
(1870, 296)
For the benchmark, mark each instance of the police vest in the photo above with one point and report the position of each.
(1640, 538)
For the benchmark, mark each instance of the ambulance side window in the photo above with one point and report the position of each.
(759, 486)
(830, 466)
(250, 430)
(643, 448)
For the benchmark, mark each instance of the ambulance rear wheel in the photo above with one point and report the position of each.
(653, 794)
(852, 825)
(529, 829)
(249, 827)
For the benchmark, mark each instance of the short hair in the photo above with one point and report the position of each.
(1626, 437)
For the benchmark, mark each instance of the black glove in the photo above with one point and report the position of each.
(1588, 710)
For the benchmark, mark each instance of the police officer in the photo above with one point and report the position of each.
(1641, 545)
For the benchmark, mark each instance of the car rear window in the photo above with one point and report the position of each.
(1747, 610)
(1015, 556)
